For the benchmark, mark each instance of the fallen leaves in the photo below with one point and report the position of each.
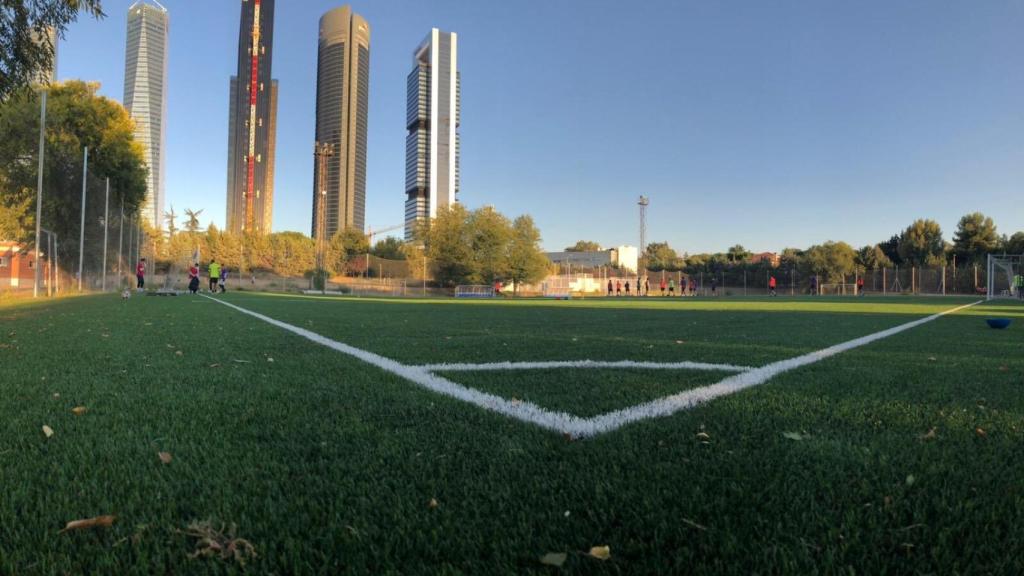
(216, 543)
(554, 559)
(600, 552)
(433, 503)
(165, 457)
(980, 432)
(79, 410)
(179, 353)
(928, 435)
(47, 431)
(96, 522)
(215, 365)
(795, 436)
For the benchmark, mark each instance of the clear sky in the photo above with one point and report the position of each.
(768, 124)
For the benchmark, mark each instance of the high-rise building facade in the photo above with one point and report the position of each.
(252, 123)
(49, 75)
(342, 106)
(145, 95)
(432, 121)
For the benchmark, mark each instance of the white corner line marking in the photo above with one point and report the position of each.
(585, 364)
(576, 426)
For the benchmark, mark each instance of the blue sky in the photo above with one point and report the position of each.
(769, 124)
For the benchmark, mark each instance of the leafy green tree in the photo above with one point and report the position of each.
(872, 258)
(352, 242)
(76, 117)
(491, 233)
(660, 256)
(791, 258)
(389, 248)
(584, 246)
(738, 254)
(891, 248)
(23, 24)
(975, 237)
(449, 241)
(526, 260)
(292, 253)
(921, 244)
(831, 261)
(1014, 244)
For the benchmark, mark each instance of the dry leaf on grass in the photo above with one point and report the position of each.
(214, 365)
(79, 410)
(433, 503)
(980, 432)
(47, 431)
(795, 436)
(97, 522)
(216, 543)
(165, 457)
(703, 435)
(55, 394)
(553, 558)
(179, 353)
(928, 435)
(600, 552)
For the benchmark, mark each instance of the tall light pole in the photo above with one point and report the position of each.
(81, 234)
(39, 187)
(643, 203)
(321, 151)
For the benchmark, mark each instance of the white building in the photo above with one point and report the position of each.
(623, 257)
(145, 94)
(432, 121)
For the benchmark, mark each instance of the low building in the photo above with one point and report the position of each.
(771, 257)
(17, 266)
(624, 257)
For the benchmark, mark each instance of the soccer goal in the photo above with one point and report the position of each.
(558, 287)
(838, 290)
(1005, 276)
(474, 291)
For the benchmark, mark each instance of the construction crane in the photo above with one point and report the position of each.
(370, 233)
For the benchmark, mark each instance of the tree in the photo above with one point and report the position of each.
(1015, 244)
(921, 244)
(389, 248)
(352, 242)
(660, 256)
(292, 253)
(791, 258)
(832, 261)
(738, 254)
(891, 248)
(584, 246)
(975, 237)
(171, 219)
(75, 118)
(449, 245)
(872, 258)
(23, 23)
(526, 260)
(491, 233)
(192, 224)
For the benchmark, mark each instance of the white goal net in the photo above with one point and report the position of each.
(838, 290)
(1005, 277)
(474, 291)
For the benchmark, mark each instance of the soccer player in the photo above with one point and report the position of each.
(627, 287)
(609, 287)
(214, 276)
(223, 279)
(860, 285)
(140, 275)
(193, 278)
(647, 286)
(714, 286)
(663, 286)
(771, 285)
(814, 285)
(618, 287)
(672, 287)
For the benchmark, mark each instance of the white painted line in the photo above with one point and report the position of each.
(586, 427)
(690, 398)
(525, 411)
(584, 364)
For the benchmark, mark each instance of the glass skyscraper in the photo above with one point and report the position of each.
(252, 123)
(432, 121)
(342, 106)
(145, 95)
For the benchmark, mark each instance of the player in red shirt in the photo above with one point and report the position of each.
(771, 286)
(140, 275)
(193, 278)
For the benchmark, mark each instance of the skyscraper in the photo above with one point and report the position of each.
(252, 123)
(432, 119)
(145, 95)
(47, 76)
(342, 103)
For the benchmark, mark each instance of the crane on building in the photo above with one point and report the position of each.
(370, 233)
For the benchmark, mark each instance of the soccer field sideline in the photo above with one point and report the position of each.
(575, 426)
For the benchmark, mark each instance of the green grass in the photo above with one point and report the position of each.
(327, 465)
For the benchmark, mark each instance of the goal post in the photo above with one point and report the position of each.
(1004, 276)
(837, 290)
(474, 291)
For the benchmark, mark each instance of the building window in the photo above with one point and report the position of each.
(5, 261)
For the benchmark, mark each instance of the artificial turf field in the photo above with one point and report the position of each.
(903, 456)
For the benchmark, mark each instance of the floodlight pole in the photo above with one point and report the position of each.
(39, 188)
(81, 233)
(643, 203)
(321, 151)
(106, 219)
